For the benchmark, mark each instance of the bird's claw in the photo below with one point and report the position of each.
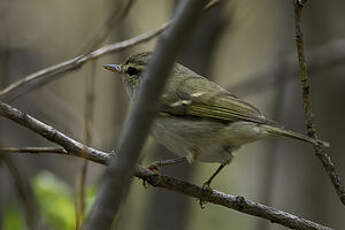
(206, 187)
(154, 167)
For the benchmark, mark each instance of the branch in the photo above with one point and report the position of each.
(320, 152)
(238, 203)
(140, 118)
(72, 147)
(43, 76)
(88, 121)
(212, 4)
(34, 150)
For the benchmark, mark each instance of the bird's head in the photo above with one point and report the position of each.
(132, 70)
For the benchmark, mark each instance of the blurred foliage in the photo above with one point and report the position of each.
(13, 219)
(56, 201)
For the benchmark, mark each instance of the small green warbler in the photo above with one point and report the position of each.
(200, 120)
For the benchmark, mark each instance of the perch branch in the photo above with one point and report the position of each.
(72, 147)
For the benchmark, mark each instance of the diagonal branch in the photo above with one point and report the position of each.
(238, 203)
(71, 146)
(43, 76)
(74, 148)
(140, 118)
(320, 152)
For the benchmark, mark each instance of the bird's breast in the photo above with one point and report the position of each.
(201, 138)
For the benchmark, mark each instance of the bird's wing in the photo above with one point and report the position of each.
(197, 96)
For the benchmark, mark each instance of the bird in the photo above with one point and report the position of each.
(198, 119)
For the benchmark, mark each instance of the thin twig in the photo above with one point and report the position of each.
(212, 4)
(43, 76)
(75, 148)
(320, 152)
(88, 118)
(51, 73)
(71, 146)
(34, 150)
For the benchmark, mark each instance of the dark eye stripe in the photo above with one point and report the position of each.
(132, 71)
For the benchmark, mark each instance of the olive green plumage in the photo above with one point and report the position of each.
(198, 118)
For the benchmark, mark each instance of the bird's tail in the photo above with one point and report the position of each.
(277, 131)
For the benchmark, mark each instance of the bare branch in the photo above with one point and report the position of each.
(238, 203)
(69, 144)
(74, 148)
(34, 150)
(88, 120)
(320, 152)
(43, 76)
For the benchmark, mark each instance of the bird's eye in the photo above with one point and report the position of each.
(132, 71)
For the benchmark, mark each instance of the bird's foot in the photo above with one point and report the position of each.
(157, 165)
(155, 168)
(206, 187)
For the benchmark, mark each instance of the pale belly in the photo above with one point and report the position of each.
(203, 140)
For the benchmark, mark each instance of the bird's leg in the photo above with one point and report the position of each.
(156, 165)
(207, 183)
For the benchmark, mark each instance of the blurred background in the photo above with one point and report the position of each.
(246, 46)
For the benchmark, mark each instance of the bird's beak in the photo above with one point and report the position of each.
(113, 68)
